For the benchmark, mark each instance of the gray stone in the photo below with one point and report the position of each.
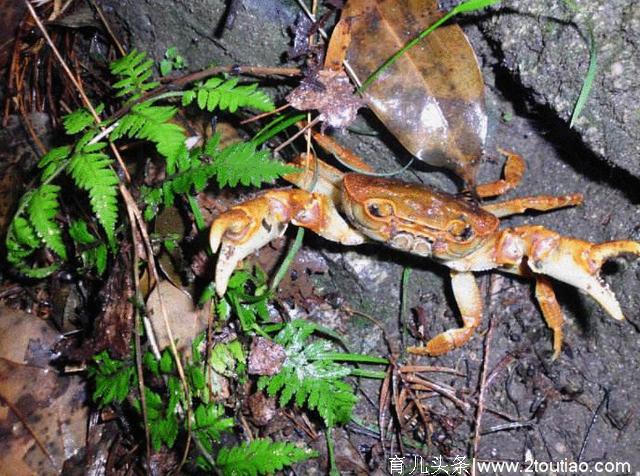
(546, 46)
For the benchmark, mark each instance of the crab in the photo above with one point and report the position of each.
(456, 231)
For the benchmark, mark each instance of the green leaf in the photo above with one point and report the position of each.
(52, 162)
(151, 123)
(80, 119)
(166, 362)
(227, 95)
(113, 378)
(308, 376)
(587, 84)
(134, 72)
(210, 423)
(91, 170)
(42, 210)
(241, 163)
(261, 456)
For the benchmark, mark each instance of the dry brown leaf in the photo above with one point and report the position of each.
(330, 93)
(43, 417)
(184, 319)
(432, 97)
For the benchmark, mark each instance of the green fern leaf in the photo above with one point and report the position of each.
(42, 209)
(149, 122)
(134, 72)
(241, 163)
(261, 456)
(53, 161)
(91, 170)
(227, 95)
(80, 119)
(309, 378)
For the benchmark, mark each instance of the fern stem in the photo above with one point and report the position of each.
(167, 95)
(333, 467)
(342, 357)
(374, 374)
(295, 247)
(197, 214)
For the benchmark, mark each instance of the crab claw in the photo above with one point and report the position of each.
(249, 226)
(577, 262)
(242, 230)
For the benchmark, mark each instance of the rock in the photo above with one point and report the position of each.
(546, 47)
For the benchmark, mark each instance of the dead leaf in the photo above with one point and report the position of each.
(184, 319)
(330, 93)
(432, 97)
(43, 417)
(265, 357)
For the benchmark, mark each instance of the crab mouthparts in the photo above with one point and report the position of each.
(413, 244)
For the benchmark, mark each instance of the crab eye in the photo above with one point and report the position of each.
(460, 230)
(380, 210)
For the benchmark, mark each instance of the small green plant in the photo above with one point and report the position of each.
(172, 61)
(113, 379)
(261, 456)
(312, 376)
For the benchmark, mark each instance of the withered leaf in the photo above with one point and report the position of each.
(432, 97)
(331, 94)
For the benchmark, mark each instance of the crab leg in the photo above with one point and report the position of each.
(469, 300)
(513, 171)
(551, 311)
(540, 203)
(249, 226)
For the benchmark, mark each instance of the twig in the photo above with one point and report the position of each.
(107, 27)
(265, 114)
(594, 418)
(296, 135)
(480, 407)
(428, 368)
(509, 426)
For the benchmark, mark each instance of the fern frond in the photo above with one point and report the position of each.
(23, 238)
(227, 95)
(53, 161)
(237, 163)
(261, 456)
(149, 122)
(311, 379)
(242, 163)
(91, 170)
(42, 209)
(80, 119)
(134, 72)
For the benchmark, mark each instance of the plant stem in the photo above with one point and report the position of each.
(295, 247)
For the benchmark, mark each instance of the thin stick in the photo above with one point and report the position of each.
(296, 135)
(265, 114)
(594, 418)
(480, 407)
(107, 27)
